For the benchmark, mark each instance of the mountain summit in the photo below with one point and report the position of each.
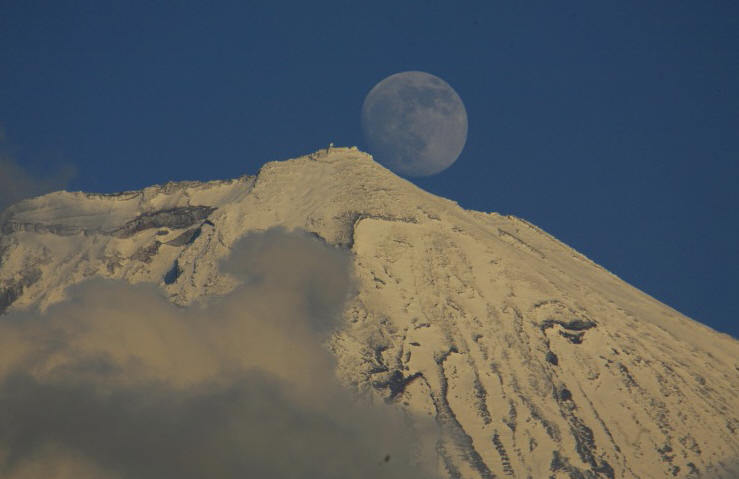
(534, 361)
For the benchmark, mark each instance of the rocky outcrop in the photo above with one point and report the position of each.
(12, 289)
(173, 218)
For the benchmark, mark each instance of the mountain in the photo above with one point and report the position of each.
(534, 361)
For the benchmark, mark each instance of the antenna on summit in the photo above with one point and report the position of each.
(322, 152)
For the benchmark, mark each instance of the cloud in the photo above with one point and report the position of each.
(117, 382)
(729, 470)
(17, 183)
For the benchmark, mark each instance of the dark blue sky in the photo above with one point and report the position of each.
(612, 125)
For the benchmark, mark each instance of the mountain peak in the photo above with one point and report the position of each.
(534, 361)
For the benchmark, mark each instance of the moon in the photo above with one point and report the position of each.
(414, 123)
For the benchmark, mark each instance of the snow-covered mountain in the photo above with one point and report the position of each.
(534, 361)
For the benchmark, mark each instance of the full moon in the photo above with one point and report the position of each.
(414, 123)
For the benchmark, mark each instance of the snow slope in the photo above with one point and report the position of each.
(535, 361)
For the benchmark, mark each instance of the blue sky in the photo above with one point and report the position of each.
(611, 125)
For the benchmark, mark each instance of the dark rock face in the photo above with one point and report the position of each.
(146, 254)
(504, 459)
(573, 330)
(173, 274)
(12, 290)
(552, 358)
(174, 218)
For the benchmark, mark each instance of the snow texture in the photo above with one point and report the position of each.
(533, 360)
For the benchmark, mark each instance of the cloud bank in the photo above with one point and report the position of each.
(117, 382)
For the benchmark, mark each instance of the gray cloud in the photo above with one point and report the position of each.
(117, 382)
(17, 183)
(729, 470)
